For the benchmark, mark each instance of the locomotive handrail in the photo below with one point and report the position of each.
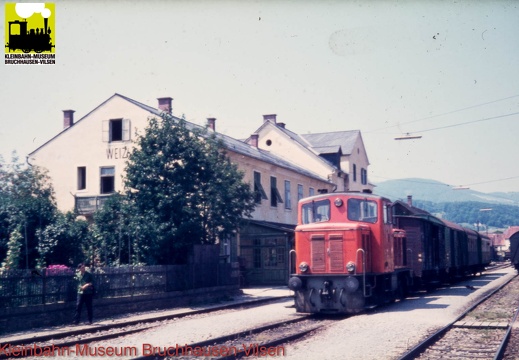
(290, 261)
(363, 269)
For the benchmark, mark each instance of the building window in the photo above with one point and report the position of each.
(275, 196)
(81, 178)
(256, 253)
(258, 189)
(257, 258)
(299, 192)
(288, 200)
(354, 172)
(116, 130)
(311, 191)
(363, 176)
(107, 180)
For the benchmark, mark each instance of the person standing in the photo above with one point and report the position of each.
(85, 293)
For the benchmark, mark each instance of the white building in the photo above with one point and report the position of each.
(338, 156)
(87, 159)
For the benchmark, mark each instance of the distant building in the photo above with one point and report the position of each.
(507, 235)
(499, 245)
(339, 156)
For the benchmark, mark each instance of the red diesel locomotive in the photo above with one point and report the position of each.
(356, 250)
(348, 254)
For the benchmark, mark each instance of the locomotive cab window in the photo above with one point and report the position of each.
(388, 214)
(315, 211)
(362, 210)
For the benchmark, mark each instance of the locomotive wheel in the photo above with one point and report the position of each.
(38, 51)
(26, 50)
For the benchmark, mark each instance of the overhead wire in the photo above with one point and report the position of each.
(455, 125)
(491, 181)
(465, 123)
(447, 113)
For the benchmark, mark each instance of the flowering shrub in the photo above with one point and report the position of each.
(57, 269)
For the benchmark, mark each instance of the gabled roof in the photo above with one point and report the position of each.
(332, 149)
(345, 140)
(229, 142)
(306, 145)
(342, 142)
(510, 231)
(141, 105)
(263, 155)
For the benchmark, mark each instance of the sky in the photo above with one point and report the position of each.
(445, 71)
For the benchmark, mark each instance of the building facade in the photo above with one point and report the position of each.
(87, 159)
(338, 156)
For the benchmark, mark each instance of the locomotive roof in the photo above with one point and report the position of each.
(347, 193)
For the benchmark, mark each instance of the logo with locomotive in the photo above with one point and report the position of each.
(30, 34)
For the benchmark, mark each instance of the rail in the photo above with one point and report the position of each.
(415, 352)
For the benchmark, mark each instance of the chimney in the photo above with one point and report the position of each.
(254, 140)
(68, 118)
(270, 117)
(410, 200)
(165, 104)
(211, 123)
(281, 125)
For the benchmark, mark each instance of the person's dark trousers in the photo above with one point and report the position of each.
(87, 300)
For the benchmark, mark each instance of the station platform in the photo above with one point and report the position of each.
(248, 295)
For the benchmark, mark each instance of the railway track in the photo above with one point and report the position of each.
(481, 332)
(266, 340)
(73, 337)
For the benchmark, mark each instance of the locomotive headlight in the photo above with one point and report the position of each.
(350, 267)
(303, 267)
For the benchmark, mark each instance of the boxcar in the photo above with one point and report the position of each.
(426, 250)
(514, 249)
(486, 250)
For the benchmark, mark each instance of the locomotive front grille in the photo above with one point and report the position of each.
(327, 255)
(318, 253)
(336, 256)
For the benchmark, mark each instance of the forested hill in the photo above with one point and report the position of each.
(466, 207)
(435, 191)
(469, 213)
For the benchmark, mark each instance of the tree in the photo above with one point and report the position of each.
(27, 205)
(181, 182)
(120, 233)
(64, 241)
(14, 253)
